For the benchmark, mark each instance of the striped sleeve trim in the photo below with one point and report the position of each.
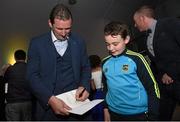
(149, 70)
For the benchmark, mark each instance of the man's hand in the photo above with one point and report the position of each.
(81, 94)
(58, 106)
(166, 79)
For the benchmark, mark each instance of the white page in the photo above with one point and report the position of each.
(78, 107)
(85, 107)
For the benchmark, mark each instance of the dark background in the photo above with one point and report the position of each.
(21, 20)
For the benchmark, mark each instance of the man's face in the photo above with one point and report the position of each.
(115, 44)
(140, 23)
(61, 28)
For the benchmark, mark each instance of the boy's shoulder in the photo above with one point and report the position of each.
(135, 54)
(132, 52)
(105, 59)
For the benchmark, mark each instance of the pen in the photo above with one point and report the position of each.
(80, 95)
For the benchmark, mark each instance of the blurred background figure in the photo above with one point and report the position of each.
(18, 97)
(2, 92)
(96, 86)
(163, 47)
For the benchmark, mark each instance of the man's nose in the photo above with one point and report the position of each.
(63, 33)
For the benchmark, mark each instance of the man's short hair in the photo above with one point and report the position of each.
(20, 55)
(61, 12)
(146, 10)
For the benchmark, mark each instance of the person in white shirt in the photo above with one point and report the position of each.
(96, 86)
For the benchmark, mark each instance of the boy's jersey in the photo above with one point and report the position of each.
(130, 83)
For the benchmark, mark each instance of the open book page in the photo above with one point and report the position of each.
(85, 107)
(78, 107)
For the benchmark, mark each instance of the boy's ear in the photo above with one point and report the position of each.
(127, 39)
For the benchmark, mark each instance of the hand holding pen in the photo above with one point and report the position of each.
(81, 94)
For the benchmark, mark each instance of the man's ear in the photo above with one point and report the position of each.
(49, 23)
(127, 39)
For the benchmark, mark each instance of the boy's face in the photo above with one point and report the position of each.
(116, 44)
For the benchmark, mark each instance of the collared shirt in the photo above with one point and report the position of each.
(61, 46)
(150, 37)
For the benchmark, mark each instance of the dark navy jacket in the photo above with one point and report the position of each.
(42, 65)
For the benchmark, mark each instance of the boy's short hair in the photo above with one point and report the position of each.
(115, 28)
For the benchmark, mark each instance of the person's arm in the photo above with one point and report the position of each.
(4, 68)
(85, 67)
(147, 78)
(93, 87)
(173, 28)
(37, 87)
(107, 117)
(170, 27)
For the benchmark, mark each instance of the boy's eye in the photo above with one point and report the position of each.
(114, 44)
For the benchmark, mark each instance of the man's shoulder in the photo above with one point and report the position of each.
(41, 37)
(168, 21)
(76, 37)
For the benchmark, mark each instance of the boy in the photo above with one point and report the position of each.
(131, 90)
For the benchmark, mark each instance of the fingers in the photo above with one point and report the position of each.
(82, 94)
(67, 107)
(58, 106)
(64, 109)
(79, 93)
(167, 79)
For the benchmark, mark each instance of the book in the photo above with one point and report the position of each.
(78, 107)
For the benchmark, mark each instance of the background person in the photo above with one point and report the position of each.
(19, 104)
(2, 92)
(96, 86)
(163, 45)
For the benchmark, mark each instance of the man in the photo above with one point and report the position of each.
(57, 63)
(18, 98)
(163, 45)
